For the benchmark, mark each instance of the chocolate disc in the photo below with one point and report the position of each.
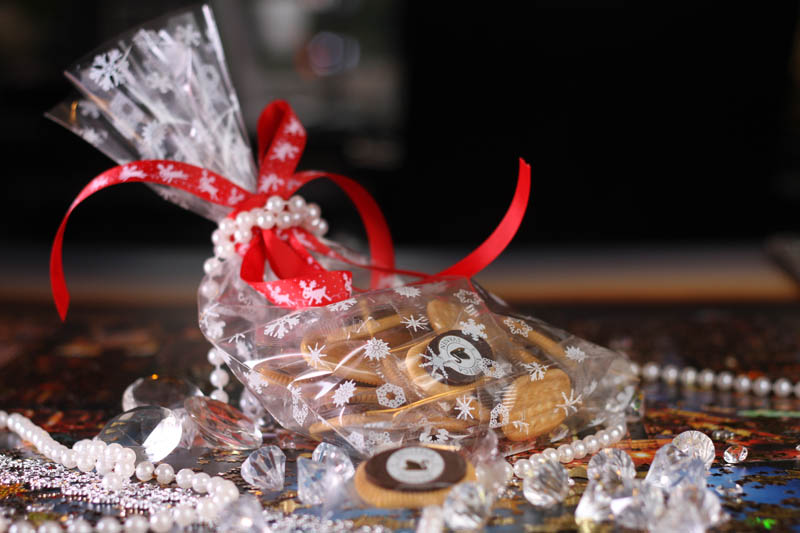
(459, 358)
(415, 468)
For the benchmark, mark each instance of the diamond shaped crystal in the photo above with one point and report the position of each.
(223, 425)
(675, 520)
(672, 468)
(595, 504)
(735, 454)
(152, 432)
(704, 500)
(158, 390)
(644, 505)
(547, 485)
(611, 462)
(467, 506)
(265, 468)
(335, 458)
(315, 481)
(696, 444)
(244, 515)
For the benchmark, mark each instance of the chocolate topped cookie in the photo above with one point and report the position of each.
(448, 361)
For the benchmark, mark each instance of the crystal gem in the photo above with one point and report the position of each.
(704, 500)
(547, 485)
(316, 481)
(158, 390)
(223, 425)
(729, 489)
(696, 444)
(431, 520)
(152, 432)
(643, 507)
(467, 506)
(265, 468)
(735, 454)
(243, 515)
(675, 519)
(335, 458)
(595, 503)
(189, 436)
(672, 468)
(721, 434)
(493, 475)
(611, 462)
(635, 409)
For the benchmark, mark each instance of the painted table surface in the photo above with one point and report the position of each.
(70, 377)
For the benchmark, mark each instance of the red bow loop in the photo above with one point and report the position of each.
(281, 140)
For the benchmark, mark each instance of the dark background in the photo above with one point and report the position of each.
(669, 123)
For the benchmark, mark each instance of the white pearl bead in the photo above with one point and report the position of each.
(112, 451)
(688, 376)
(84, 463)
(215, 484)
(565, 453)
(669, 374)
(579, 448)
(551, 454)
(615, 434)
(69, 458)
(144, 471)
(126, 455)
(296, 204)
(219, 395)
(215, 357)
(21, 526)
(229, 492)
(217, 236)
(184, 478)
(592, 444)
(297, 218)
(762, 386)
(161, 522)
(206, 509)
(603, 438)
(49, 527)
(523, 468)
(227, 226)
(705, 379)
(724, 380)
(211, 265)
(164, 473)
(508, 471)
(275, 204)
(209, 288)
(322, 228)
(107, 524)
(312, 223)
(283, 220)
(136, 524)
(742, 384)
(112, 481)
(242, 235)
(78, 525)
(200, 482)
(219, 378)
(313, 211)
(184, 515)
(782, 387)
(265, 220)
(103, 467)
(245, 220)
(124, 469)
(635, 368)
(97, 448)
(82, 445)
(650, 371)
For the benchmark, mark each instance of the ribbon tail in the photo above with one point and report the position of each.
(58, 284)
(494, 245)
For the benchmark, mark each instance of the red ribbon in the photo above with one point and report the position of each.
(302, 281)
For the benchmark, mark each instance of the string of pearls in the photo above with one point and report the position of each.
(116, 464)
(723, 380)
(218, 377)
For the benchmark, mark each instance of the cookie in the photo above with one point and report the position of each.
(533, 407)
(450, 361)
(383, 420)
(411, 476)
(344, 359)
(443, 314)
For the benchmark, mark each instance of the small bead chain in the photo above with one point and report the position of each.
(218, 377)
(116, 464)
(723, 380)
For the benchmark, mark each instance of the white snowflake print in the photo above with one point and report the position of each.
(270, 182)
(415, 323)
(169, 172)
(590, 387)
(235, 197)
(256, 382)
(575, 353)
(441, 435)
(464, 407)
(494, 369)
(536, 370)
(89, 109)
(398, 396)
(436, 362)
(499, 416)
(294, 127)
(316, 354)
(569, 403)
(342, 305)
(376, 349)
(278, 297)
(92, 136)
(158, 82)
(299, 412)
(130, 171)
(152, 140)
(207, 185)
(517, 327)
(294, 390)
(356, 439)
(519, 425)
(209, 320)
(284, 150)
(376, 438)
(408, 292)
(344, 393)
(187, 35)
(347, 279)
(473, 329)
(468, 297)
(279, 327)
(108, 69)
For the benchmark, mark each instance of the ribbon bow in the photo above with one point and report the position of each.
(302, 281)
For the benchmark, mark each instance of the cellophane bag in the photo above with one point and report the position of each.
(438, 360)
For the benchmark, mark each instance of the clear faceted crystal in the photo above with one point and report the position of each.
(643, 507)
(696, 444)
(467, 506)
(735, 454)
(729, 489)
(152, 432)
(672, 468)
(158, 390)
(335, 458)
(704, 500)
(547, 485)
(431, 520)
(189, 435)
(611, 462)
(676, 520)
(265, 468)
(243, 515)
(595, 503)
(223, 425)
(316, 481)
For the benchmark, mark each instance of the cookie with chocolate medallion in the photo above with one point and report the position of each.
(411, 476)
(535, 404)
(450, 361)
